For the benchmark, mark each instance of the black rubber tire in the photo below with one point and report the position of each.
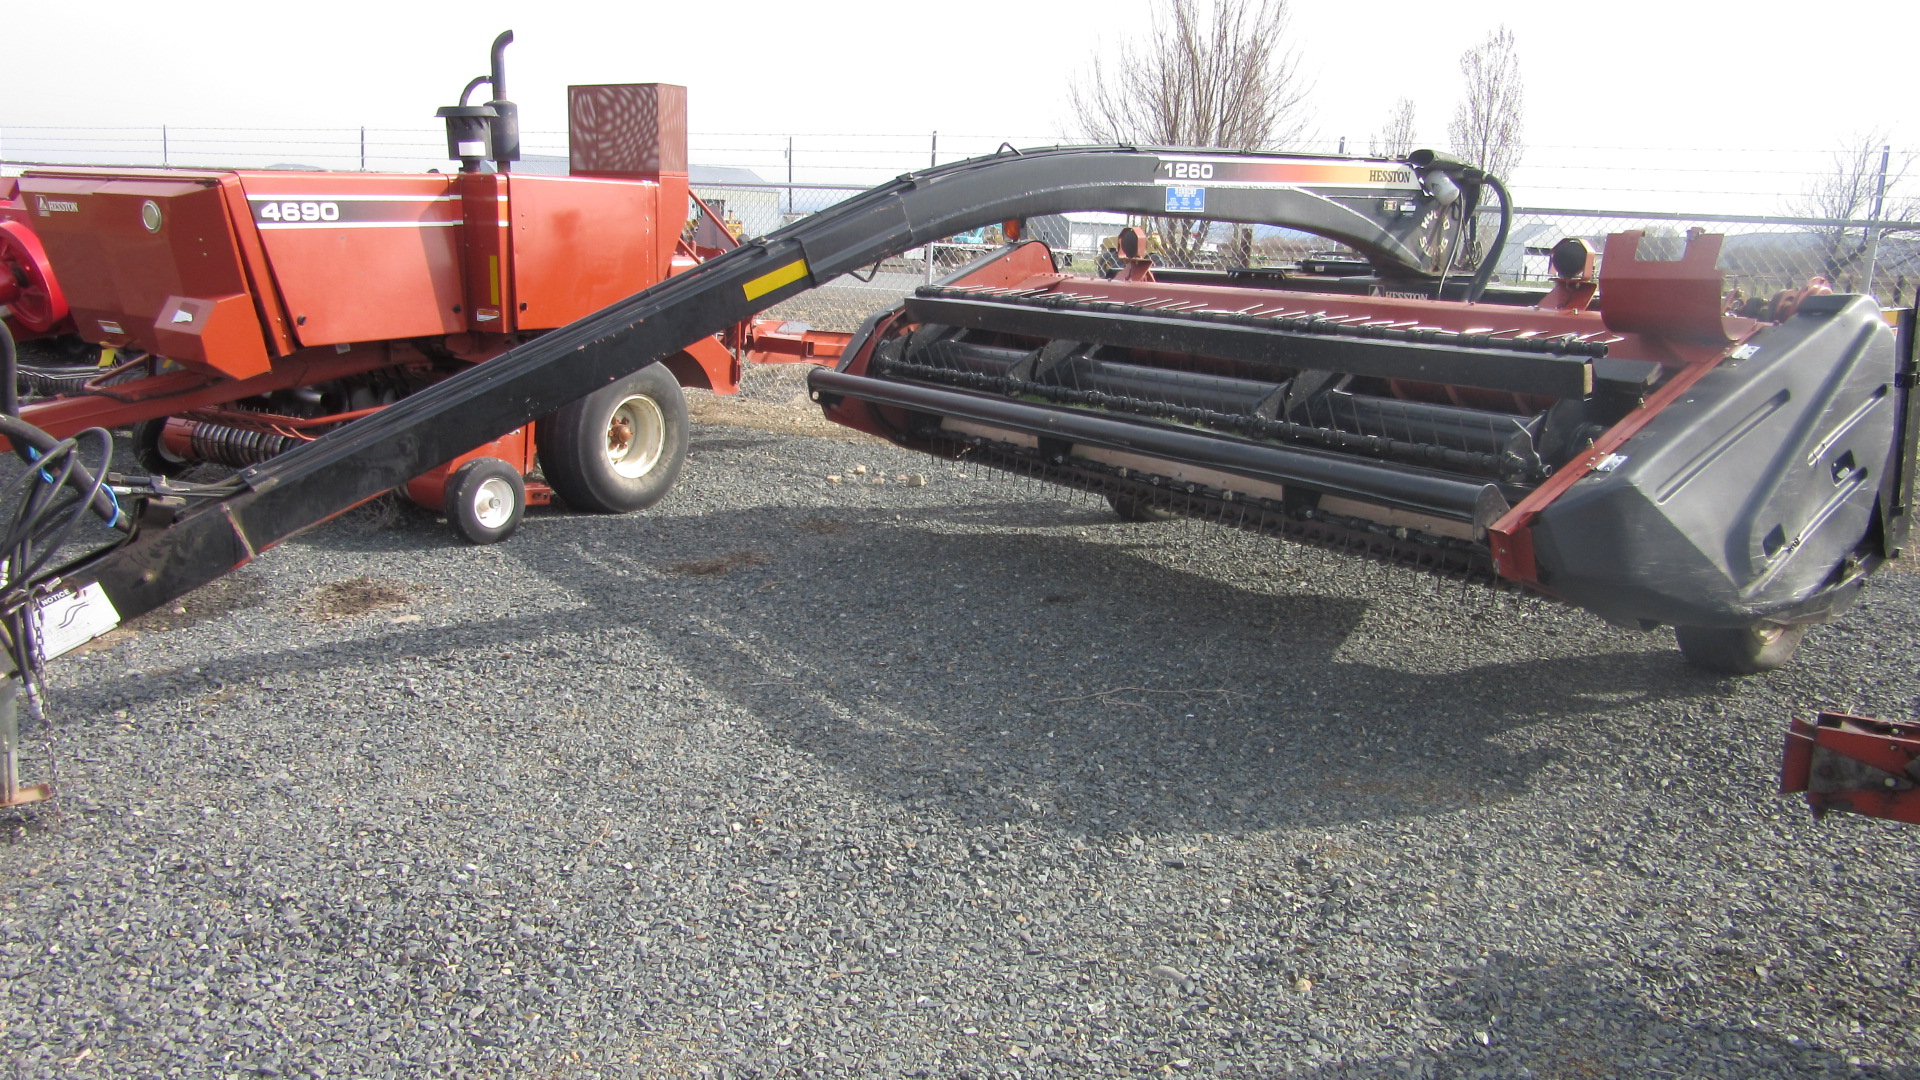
(148, 452)
(486, 498)
(1745, 650)
(577, 455)
(1133, 510)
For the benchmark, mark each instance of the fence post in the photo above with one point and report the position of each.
(363, 148)
(789, 176)
(933, 160)
(165, 162)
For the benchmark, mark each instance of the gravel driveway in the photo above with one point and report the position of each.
(791, 777)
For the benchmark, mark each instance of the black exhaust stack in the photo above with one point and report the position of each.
(477, 132)
(506, 115)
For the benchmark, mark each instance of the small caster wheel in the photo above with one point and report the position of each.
(486, 498)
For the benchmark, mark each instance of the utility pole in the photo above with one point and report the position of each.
(1873, 214)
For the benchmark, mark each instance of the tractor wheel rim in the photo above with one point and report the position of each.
(25, 293)
(493, 502)
(636, 436)
(35, 300)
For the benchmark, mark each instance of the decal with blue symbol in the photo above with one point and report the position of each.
(1186, 200)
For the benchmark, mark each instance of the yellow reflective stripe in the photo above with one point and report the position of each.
(773, 279)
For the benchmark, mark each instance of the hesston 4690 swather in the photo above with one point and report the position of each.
(1618, 441)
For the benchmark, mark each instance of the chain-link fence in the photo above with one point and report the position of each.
(364, 149)
(1761, 255)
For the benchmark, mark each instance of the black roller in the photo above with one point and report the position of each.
(1458, 499)
(1028, 368)
(1190, 389)
(1451, 427)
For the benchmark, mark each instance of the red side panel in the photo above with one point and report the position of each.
(634, 131)
(362, 256)
(581, 244)
(151, 261)
(491, 306)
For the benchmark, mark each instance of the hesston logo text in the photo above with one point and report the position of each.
(55, 206)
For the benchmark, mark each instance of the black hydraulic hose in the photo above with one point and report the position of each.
(48, 537)
(35, 445)
(9, 373)
(1490, 260)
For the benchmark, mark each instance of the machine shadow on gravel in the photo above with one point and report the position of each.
(1043, 680)
(1551, 1018)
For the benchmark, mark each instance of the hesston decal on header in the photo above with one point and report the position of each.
(1239, 172)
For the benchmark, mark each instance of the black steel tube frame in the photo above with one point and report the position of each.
(1474, 502)
(325, 477)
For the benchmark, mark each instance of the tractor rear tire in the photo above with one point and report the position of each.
(486, 498)
(151, 455)
(1741, 650)
(619, 448)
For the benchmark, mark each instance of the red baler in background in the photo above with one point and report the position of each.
(248, 312)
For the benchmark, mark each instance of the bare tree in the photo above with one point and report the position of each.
(1487, 123)
(1396, 141)
(1213, 73)
(1865, 181)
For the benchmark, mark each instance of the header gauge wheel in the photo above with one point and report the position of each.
(1741, 650)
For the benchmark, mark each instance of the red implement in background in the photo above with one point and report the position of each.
(251, 311)
(1855, 764)
(31, 302)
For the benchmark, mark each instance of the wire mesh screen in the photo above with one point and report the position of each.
(1762, 255)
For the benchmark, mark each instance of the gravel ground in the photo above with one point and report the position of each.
(964, 779)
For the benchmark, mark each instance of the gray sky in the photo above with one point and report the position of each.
(1685, 101)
